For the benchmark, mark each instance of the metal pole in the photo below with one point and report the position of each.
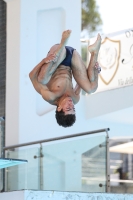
(107, 164)
(41, 168)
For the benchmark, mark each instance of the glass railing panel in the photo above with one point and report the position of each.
(75, 164)
(26, 175)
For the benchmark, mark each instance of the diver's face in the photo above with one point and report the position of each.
(67, 106)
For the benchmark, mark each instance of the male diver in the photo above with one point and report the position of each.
(52, 77)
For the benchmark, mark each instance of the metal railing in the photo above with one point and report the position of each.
(106, 145)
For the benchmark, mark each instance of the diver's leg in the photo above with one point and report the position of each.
(87, 79)
(50, 65)
(93, 68)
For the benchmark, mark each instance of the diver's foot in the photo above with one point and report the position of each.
(65, 36)
(94, 48)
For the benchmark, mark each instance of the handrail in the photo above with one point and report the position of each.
(56, 138)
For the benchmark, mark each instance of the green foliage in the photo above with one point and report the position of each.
(84, 54)
(91, 18)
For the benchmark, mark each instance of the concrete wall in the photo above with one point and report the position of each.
(38, 195)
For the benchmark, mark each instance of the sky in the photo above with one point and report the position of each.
(116, 14)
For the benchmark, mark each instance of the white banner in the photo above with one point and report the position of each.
(116, 60)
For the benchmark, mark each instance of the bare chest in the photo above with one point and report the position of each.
(60, 85)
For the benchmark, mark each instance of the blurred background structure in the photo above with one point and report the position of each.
(91, 18)
(28, 28)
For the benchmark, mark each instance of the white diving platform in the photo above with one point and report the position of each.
(54, 195)
(8, 162)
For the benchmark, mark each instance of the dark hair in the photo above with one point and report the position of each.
(65, 120)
